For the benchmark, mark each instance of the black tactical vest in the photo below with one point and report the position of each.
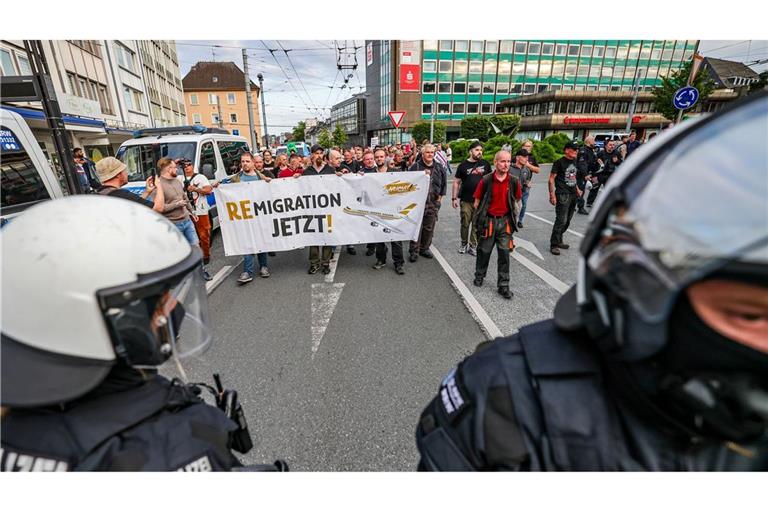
(157, 426)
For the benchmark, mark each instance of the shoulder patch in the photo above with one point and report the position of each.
(453, 396)
(11, 461)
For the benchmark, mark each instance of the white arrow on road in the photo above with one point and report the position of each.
(325, 297)
(522, 243)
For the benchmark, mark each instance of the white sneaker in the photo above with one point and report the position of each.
(463, 248)
(264, 272)
(245, 277)
(471, 250)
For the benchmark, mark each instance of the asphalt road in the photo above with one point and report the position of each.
(333, 371)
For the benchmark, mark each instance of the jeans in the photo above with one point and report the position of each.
(187, 229)
(566, 204)
(498, 232)
(249, 259)
(524, 202)
(468, 234)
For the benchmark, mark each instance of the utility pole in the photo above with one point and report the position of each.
(42, 75)
(690, 77)
(636, 88)
(432, 124)
(218, 108)
(263, 109)
(249, 101)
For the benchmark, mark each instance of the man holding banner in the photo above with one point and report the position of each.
(319, 256)
(438, 183)
(380, 157)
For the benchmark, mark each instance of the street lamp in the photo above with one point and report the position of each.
(263, 109)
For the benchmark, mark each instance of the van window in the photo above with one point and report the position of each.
(230, 154)
(142, 158)
(207, 157)
(21, 181)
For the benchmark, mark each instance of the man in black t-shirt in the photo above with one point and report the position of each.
(563, 191)
(349, 164)
(113, 174)
(468, 175)
(269, 163)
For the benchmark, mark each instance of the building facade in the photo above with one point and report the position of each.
(214, 94)
(105, 90)
(350, 114)
(452, 79)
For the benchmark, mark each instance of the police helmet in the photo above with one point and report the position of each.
(90, 281)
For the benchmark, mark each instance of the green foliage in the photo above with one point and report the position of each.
(420, 131)
(495, 144)
(339, 136)
(507, 123)
(557, 141)
(475, 127)
(543, 152)
(460, 149)
(663, 94)
(297, 134)
(325, 139)
(760, 84)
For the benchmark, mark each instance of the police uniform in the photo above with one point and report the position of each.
(157, 425)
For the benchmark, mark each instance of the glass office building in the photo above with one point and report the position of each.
(460, 77)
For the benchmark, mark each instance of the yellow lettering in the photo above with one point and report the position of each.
(246, 207)
(232, 211)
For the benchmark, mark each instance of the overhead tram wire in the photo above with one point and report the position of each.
(295, 71)
(288, 79)
(265, 49)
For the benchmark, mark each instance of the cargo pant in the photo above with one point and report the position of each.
(468, 234)
(427, 228)
(203, 228)
(315, 256)
(497, 232)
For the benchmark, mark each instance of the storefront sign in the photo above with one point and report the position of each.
(410, 77)
(77, 106)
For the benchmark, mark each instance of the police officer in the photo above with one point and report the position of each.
(81, 340)
(658, 358)
(587, 165)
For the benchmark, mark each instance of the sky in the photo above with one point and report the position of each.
(290, 98)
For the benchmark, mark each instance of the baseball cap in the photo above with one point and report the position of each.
(570, 145)
(316, 147)
(522, 152)
(476, 144)
(109, 167)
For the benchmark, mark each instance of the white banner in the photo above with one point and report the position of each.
(289, 213)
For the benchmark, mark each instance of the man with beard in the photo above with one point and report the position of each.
(319, 256)
(380, 158)
(437, 183)
(468, 175)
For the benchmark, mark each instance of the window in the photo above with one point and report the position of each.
(487, 108)
(558, 67)
(428, 87)
(230, 98)
(458, 108)
(560, 49)
(490, 67)
(488, 87)
(518, 68)
(610, 52)
(443, 108)
(534, 48)
(430, 66)
(93, 92)
(444, 87)
(106, 104)
(8, 70)
(570, 69)
(634, 53)
(606, 71)
(532, 68)
(598, 52)
(445, 66)
(128, 97)
(446, 45)
(83, 85)
(491, 47)
(475, 67)
(124, 57)
(583, 70)
(459, 88)
(547, 48)
(426, 108)
(214, 78)
(516, 89)
(213, 99)
(474, 88)
(215, 119)
(462, 46)
(545, 68)
(542, 87)
(430, 44)
(233, 118)
(529, 88)
(472, 108)
(21, 182)
(656, 53)
(520, 47)
(573, 50)
(477, 46)
(24, 68)
(193, 99)
(621, 52)
(506, 47)
(460, 67)
(502, 88)
(505, 67)
(196, 118)
(230, 154)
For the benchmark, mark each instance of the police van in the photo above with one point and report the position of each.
(27, 177)
(215, 153)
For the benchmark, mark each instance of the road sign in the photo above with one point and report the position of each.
(685, 97)
(397, 117)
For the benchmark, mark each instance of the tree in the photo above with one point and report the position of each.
(339, 136)
(506, 123)
(475, 127)
(669, 84)
(297, 134)
(760, 84)
(420, 131)
(324, 138)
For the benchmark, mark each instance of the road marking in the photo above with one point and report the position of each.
(542, 219)
(325, 297)
(543, 274)
(488, 325)
(220, 276)
(334, 263)
(522, 243)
